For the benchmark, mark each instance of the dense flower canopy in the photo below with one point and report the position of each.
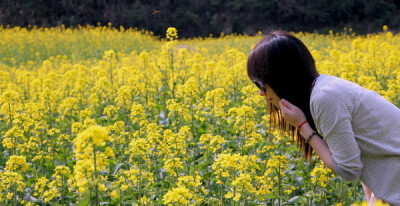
(169, 121)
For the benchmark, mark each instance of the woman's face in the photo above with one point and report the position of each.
(270, 96)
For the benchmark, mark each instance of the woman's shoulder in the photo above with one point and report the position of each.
(334, 92)
(332, 87)
(327, 81)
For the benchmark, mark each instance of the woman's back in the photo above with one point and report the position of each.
(362, 130)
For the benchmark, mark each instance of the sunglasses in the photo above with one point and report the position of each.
(259, 85)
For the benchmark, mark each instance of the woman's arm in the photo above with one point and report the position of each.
(319, 146)
(368, 194)
(295, 116)
(341, 152)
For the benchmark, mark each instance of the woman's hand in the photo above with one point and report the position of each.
(295, 116)
(291, 113)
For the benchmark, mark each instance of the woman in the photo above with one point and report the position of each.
(354, 131)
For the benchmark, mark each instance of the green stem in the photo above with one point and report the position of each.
(96, 186)
(10, 114)
(172, 74)
(279, 182)
(341, 191)
(15, 195)
(62, 190)
(140, 181)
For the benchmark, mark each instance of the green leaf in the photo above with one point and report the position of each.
(117, 167)
(85, 199)
(293, 200)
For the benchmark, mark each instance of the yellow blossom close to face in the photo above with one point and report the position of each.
(320, 175)
(377, 203)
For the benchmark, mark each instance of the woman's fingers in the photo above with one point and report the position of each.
(286, 104)
(286, 111)
(291, 113)
(288, 115)
(282, 105)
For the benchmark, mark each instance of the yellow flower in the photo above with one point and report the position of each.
(9, 195)
(189, 181)
(109, 55)
(62, 170)
(211, 141)
(114, 194)
(124, 96)
(50, 194)
(11, 179)
(172, 33)
(13, 137)
(137, 113)
(228, 195)
(16, 163)
(68, 106)
(278, 162)
(380, 203)
(9, 97)
(287, 191)
(215, 101)
(171, 165)
(189, 91)
(320, 175)
(41, 184)
(95, 135)
(233, 162)
(124, 187)
(180, 195)
(237, 197)
(109, 152)
(110, 111)
(102, 187)
(225, 174)
(145, 201)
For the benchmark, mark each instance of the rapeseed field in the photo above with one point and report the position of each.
(106, 116)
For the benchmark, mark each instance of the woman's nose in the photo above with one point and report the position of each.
(261, 93)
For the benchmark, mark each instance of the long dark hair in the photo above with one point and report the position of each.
(283, 62)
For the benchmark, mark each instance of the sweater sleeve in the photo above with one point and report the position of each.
(332, 115)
